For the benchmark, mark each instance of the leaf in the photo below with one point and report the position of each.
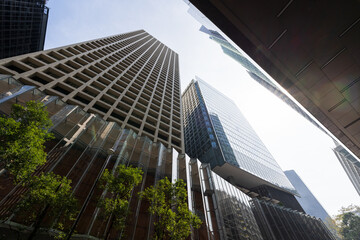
(168, 201)
(22, 138)
(119, 186)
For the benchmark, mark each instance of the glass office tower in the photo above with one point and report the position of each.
(217, 133)
(255, 73)
(226, 212)
(307, 200)
(22, 26)
(350, 164)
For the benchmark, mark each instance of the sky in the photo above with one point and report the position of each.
(293, 141)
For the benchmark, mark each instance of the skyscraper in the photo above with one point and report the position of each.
(311, 49)
(280, 223)
(217, 133)
(350, 164)
(114, 100)
(229, 48)
(22, 26)
(307, 200)
(85, 144)
(131, 78)
(256, 74)
(221, 138)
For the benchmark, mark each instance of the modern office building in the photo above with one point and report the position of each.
(280, 223)
(310, 48)
(307, 200)
(255, 72)
(351, 167)
(22, 26)
(217, 133)
(82, 156)
(131, 79)
(231, 51)
(219, 136)
(85, 145)
(350, 164)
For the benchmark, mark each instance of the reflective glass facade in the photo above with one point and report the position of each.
(307, 200)
(22, 26)
(255, 72)
(350, 164)
(217, 133)
(223, 207)
(85, 145)
(280, 223)
(237, 219)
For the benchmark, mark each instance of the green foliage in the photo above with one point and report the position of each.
(332, 226)
(169, 204)
(48, 191)
(22, 138)
(349, 222)
(118, 186)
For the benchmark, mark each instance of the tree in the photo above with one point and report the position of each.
(168, 202)
(118, 187)
(48, 194)
(349, 222)
(22, 138)
(332, 226)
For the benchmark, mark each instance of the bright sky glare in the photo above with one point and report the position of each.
(293, 141)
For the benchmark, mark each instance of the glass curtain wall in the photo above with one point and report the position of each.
(84, 146)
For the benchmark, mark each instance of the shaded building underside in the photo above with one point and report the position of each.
(310, 48)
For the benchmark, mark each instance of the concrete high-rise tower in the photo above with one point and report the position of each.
(131, 79)
(22, 26)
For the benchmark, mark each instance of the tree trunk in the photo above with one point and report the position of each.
(109, 229)
(38, 221)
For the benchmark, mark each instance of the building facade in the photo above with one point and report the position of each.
(238, 163)
(240, 56)
(82, 156)
(350, 164)
(310, 48)
(217, 133)
(84, 145)
(255, 73)
(97, 100)
(307, 200)
(131, 78)
(280, 223)
(22, 26)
